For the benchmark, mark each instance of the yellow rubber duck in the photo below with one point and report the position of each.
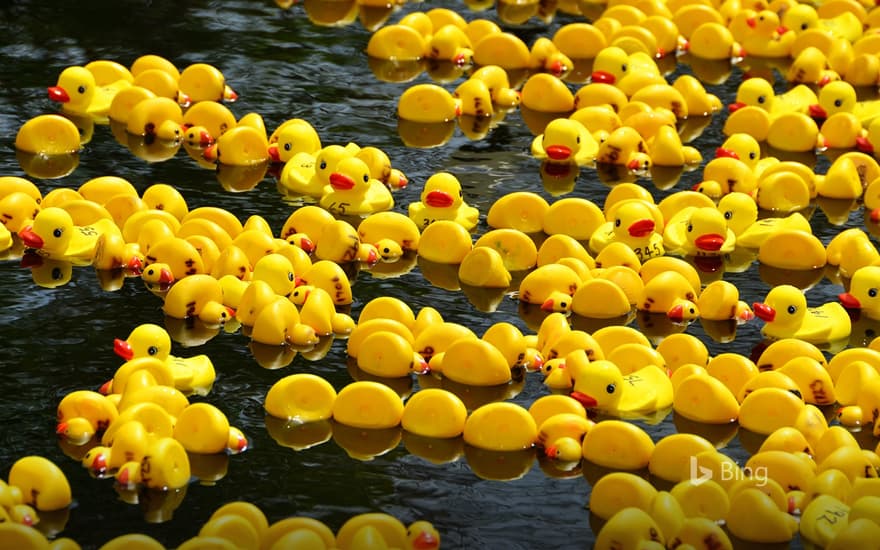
(473, 362)
(757, 92)
(635, 223)
(427, 103)
(719, 301)
(625, 147)
(840, 97)
(714, 41)
(500, 426)
(786, 315)
(240, 146)
(79, 92)
(380, 530)
(551, 286)
(565, 140)
(292, 136)
(48, 135)
(41, 483)
(699, 231)
(442, 199)
(352, 190)
(670, 293)
(629, 72)
(191, 374)
(54, 236)
(764, 38)
(366, 404)
(203, 82)
(600, 385)
(203, 428)
(864, 288)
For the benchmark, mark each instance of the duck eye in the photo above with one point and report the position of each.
(838, 102)
(323, 165)
(872, 293)
(804, 26)
(577, 139)
(366, 178)
(548, 368)
(617, 222)
(610, 388)
(792, 310)
(690, 227)
(752, 155)
(386, 250)
(290, 276)
(152, 350)
(761, 99)
(287, 146)
(562, 304)
(728, 215)
(58, 231)
(81, 89)
(623, 67)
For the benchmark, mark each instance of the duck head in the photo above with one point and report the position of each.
(442, 190)
(51, 231)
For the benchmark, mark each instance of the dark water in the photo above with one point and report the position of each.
(58, 340)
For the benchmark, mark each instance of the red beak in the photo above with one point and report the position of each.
(100, 463)
(817, 111)
(123, 349)
(736, 106)
(439, 199)
(558, 152)
(61, 428)
(751, 22)
(557, 68)
(724, 152)
(306, 244)
(425, 541)
(165, 277)
(29, 238)
(59, 94)
(422, 367)
(210, 153)
(341, 182)
(547, 305)
(459, 60)
(273, 153)
(711, 242)
(135, 265)
(676, 314)
(602, 76)
(849, 301)
(764, 312)
(106, 388)
(589, 402)
(864, 145)
(641, 228)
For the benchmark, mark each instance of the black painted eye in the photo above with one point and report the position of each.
(366, 178)
(690, 227)
(610, 388)
(58, 231)
(728, 215)
(290, 276)
(323, 165)
(761, 99)
(752, 155)
(56, 274)
(623, 67)
(548, 368)
(287, 146)
(617, 222)
(81, 89)
(150, 272)
(578, 139)
(872, 292)
(152, 350)
(804, 26)
(562, 304)
(838, 102)
(386, 250)
(792, 310)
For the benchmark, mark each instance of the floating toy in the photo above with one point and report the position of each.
(473, 362)
(600, 385)
(786, 315)
(318, 311)
(720, 301)
(291, 137)
(565, 140)
(239, 146)
(368, 405)
(382, 529)
(203, 82)
(634, 223)
(193, 374)
(670, 293)
(203, 428)
(54, 236)
(352, 190)
(48, 135)
(864, 289)
(427, 103)
(500, 426)
(551, 286)
(79, 93)
(618, 445)
(442, 199)
(700, 231)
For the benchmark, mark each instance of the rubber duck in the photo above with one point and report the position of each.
(565, 140)
(41, 483)
(473, 362)
(191, 374)
(618, 445)
(239, 146)
(670, 293)
(863, 291)
(719, 301)
(496, 79)
(712, 40)
(699, 231)
(786, 315)
(753, 516)
(156, 117)
(427, 103)
(624, 146)
(521, 210)
(635, 223)
(330, 276)
(318, 311)
(600, 385)
(667, 149)
(442, 199)
(48, 135)
(82, 413)
(203, 82)
(380, 530)
(79, 93)
(352, 190)
(501, 426)
(764, 38)
(291, 137)
(545, 93)
(810, 66)
(517, 250)
(203, 428)
(757, 92)
(198, 295)
(629, 72)
(551, 286)
(381, 169)
(840, 97)
(746, 148)
(55, 236)
(369, 405)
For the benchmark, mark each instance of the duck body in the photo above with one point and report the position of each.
(79, 93)
(54, 236)
(699, 231)
(786, 315)
(352, 190)
(634, 223)
(565, 140)
(600, 385)
(441, 199)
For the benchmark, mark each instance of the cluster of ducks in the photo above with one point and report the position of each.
(239, 524)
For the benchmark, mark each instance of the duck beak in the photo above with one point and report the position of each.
(547, 305)
(439, 199)
(61, 428)
(558, 152)
(274, 155)
(106, 388)
(864, 145)
(735, 106)
(723, 152)
(210, 153)
(123, 349)
(751, 22)
(676, 314)
(711, 242)
(602, 76)
(588, 401)
(764, 312)
(166, 277)
(817, 111)
(849, 301)
(341, 182)
(425, 541)
(59, 94)
(29, 238)
(641, 228)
